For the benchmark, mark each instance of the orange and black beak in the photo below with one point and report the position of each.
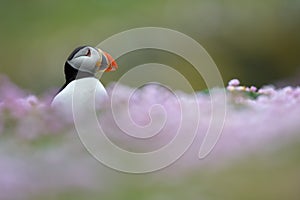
(107, 62)
(112, 64)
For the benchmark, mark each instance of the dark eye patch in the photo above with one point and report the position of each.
(88, 53)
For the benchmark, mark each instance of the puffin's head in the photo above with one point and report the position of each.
(91, 60)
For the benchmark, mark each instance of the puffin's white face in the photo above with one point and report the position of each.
(92, 60)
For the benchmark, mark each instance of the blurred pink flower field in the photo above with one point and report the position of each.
(41, 154)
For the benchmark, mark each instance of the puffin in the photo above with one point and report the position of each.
(81, 82)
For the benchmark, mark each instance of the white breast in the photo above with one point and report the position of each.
(80, 96)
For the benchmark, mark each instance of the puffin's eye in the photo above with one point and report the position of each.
(88, 53)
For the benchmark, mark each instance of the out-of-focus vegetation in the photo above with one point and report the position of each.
(257, 41)
(256, 157)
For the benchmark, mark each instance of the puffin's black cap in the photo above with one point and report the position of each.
(71, 56)
(72, 73)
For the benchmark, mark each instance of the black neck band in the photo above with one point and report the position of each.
(72, 74)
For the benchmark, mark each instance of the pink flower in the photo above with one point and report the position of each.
(253, 89)
(234, 82)
(268, 90)
(8, 90)
(1, 117)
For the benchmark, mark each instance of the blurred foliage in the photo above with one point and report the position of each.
(256, 41)
(264, 175)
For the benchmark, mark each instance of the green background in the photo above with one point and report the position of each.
(255, 41)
